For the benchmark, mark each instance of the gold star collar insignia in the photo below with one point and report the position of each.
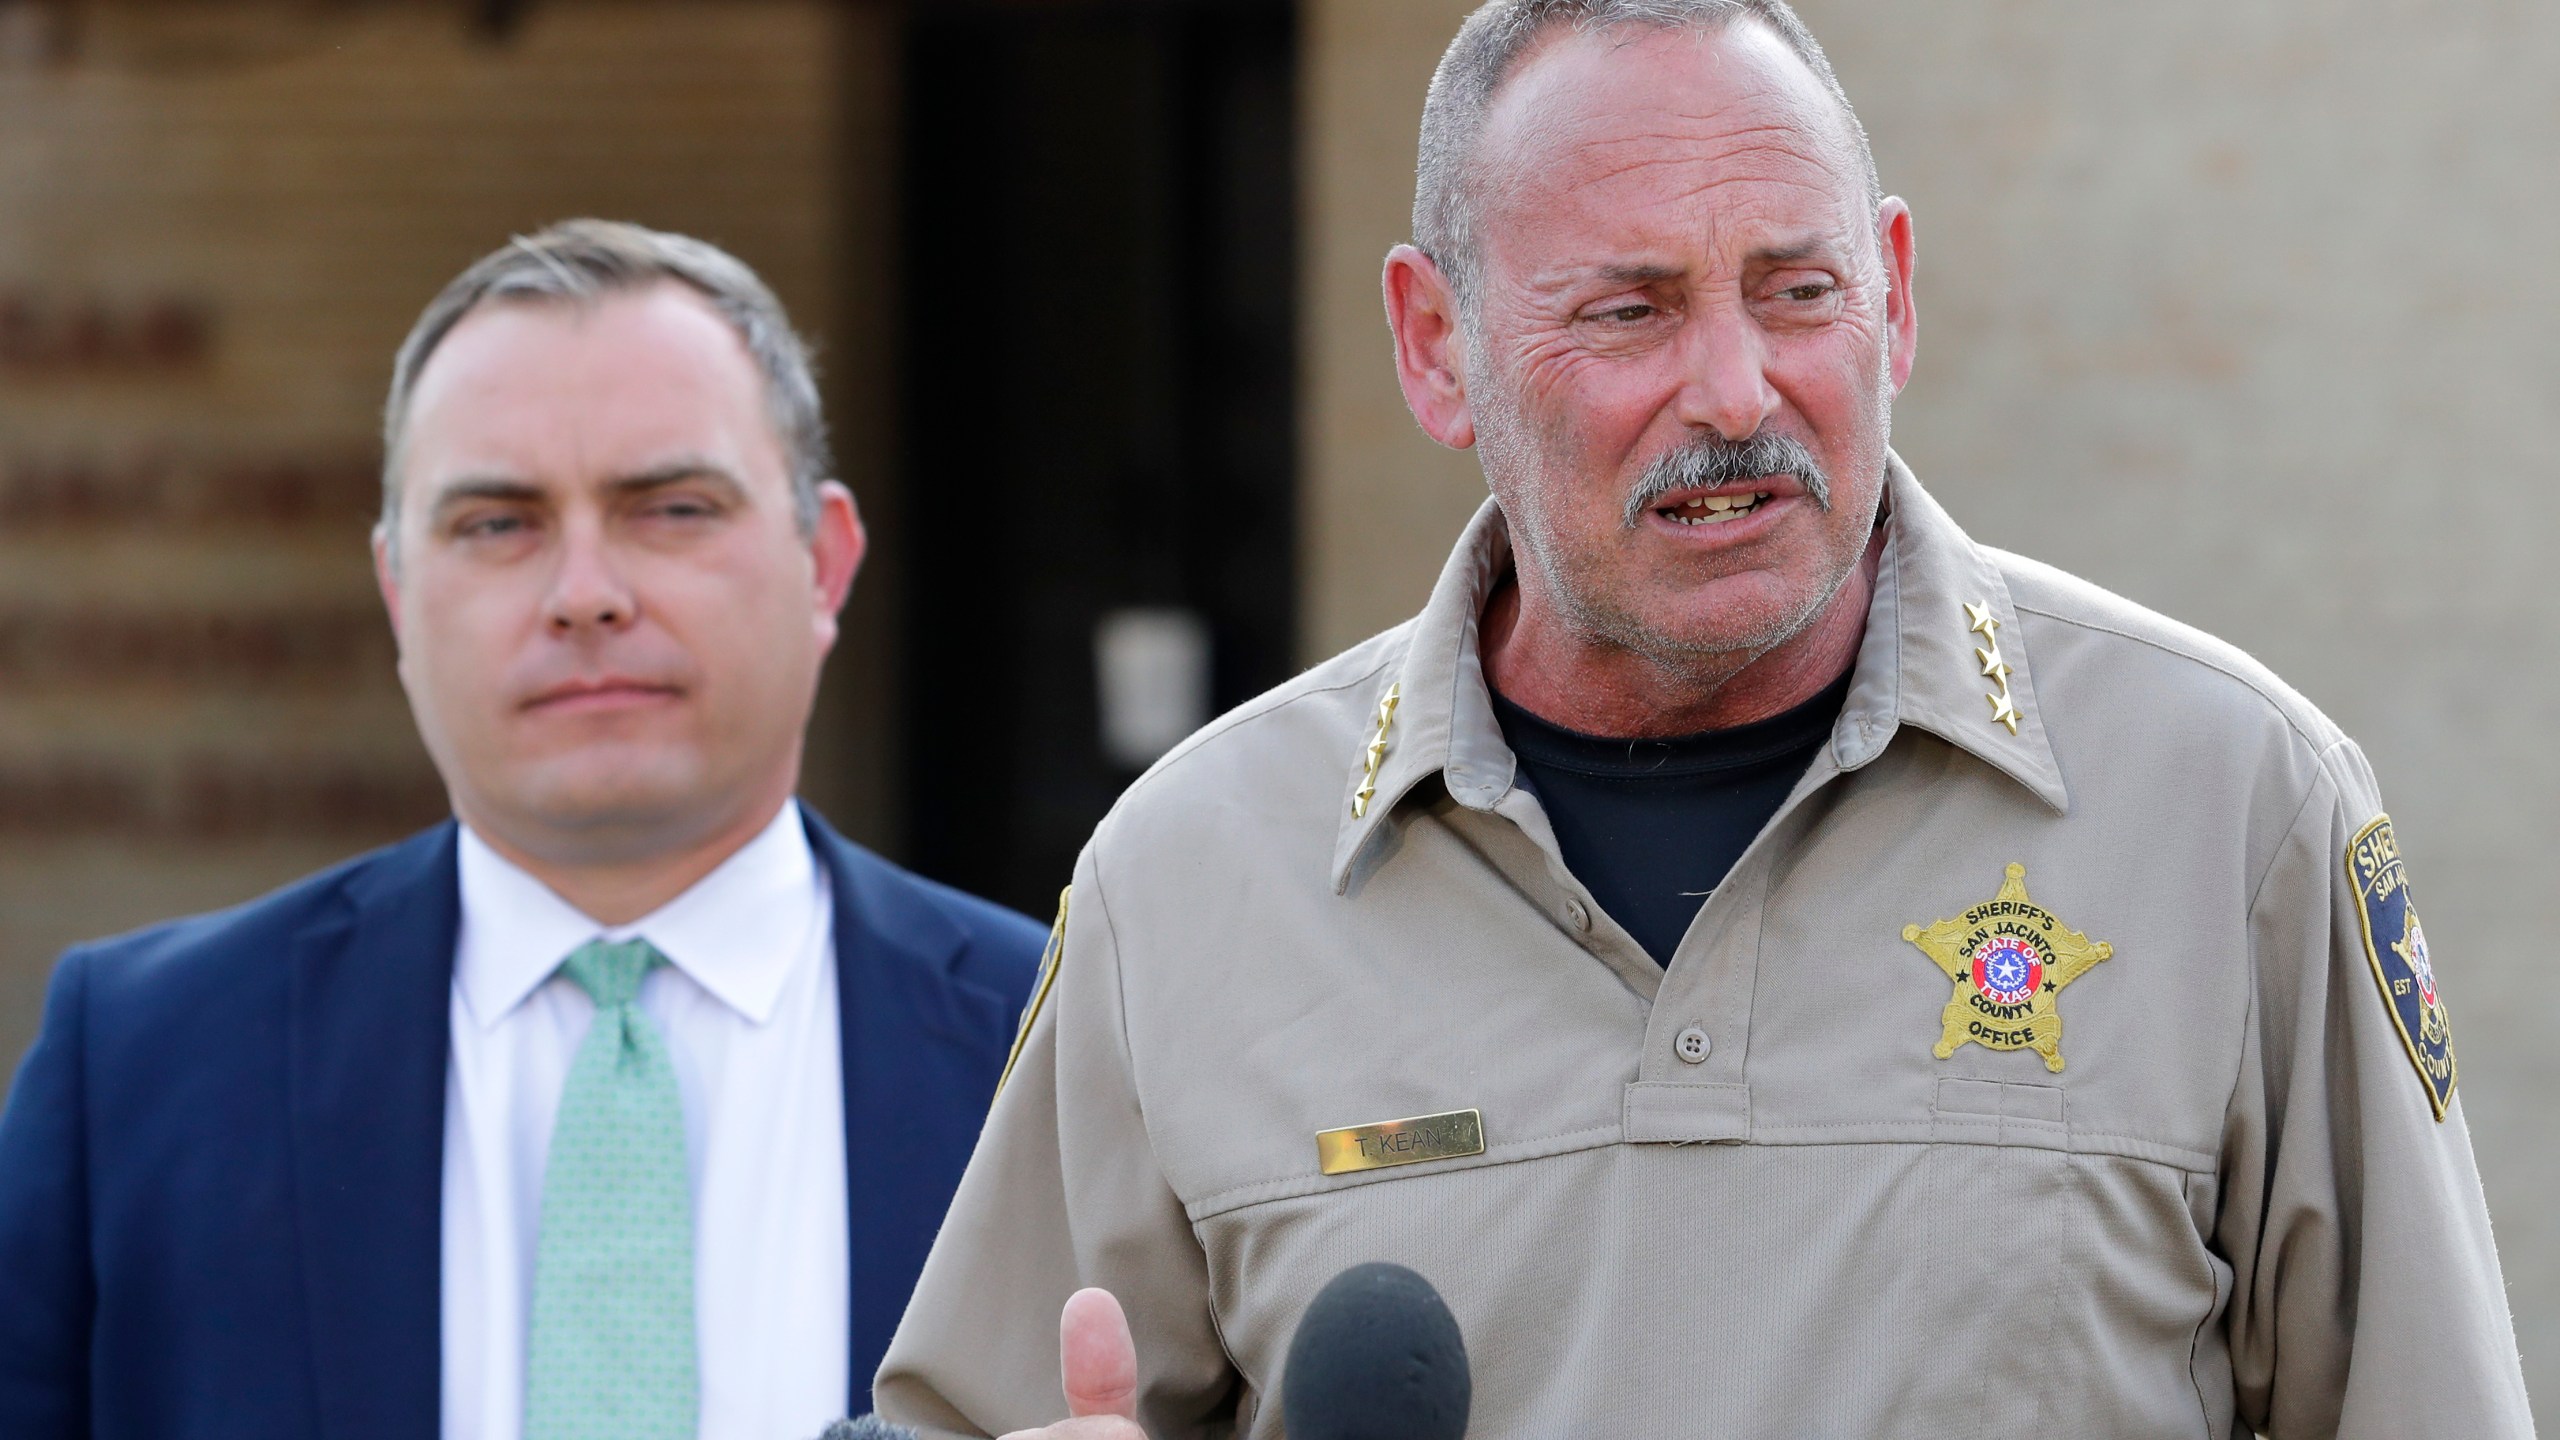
(2009, 958)
(1376, 754)
(2004, 706)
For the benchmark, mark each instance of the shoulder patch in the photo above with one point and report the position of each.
(2396, 946)
(1050, 958)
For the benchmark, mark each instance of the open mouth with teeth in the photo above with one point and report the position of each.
(1714, 509)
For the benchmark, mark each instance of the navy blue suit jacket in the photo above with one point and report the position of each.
(221, 1170)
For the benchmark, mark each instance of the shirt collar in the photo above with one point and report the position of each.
(1942, 642)
(1922, 663)
(734, 932)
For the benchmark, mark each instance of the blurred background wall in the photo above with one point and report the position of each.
(2246, 312)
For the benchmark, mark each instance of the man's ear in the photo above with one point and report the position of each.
(386, 574)
(837, 546)
(1901, 309)
(1422, 312)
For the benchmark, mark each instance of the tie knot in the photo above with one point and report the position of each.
(610, 971)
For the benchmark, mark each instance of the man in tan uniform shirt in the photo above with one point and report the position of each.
(2063, 1057)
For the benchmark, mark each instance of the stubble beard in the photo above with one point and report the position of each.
(1528, 463)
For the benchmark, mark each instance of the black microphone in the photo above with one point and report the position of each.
(1377, 1357)
(867, 1427)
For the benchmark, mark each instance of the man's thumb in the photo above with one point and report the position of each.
(1099, 1359)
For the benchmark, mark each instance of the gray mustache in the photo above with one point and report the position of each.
(1710, 460)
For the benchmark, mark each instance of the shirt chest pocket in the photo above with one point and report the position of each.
(2000, 1113)
(2004, 1209)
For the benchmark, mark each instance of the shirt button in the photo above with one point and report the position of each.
(1578, 913)
(1692, 1045)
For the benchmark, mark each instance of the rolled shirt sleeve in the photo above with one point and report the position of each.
(2366, 1301)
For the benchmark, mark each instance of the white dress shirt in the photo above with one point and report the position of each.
(748, 1006)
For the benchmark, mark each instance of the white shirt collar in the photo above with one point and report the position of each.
(734, 932)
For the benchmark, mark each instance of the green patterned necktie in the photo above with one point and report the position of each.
(611, 1354)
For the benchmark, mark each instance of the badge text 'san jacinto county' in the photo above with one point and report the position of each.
(2009, 958)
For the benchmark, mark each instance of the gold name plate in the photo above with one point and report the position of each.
(1400, 1142)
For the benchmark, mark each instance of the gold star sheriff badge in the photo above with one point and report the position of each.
(2009, 958)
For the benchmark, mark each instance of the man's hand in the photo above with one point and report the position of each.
(1100, 1362)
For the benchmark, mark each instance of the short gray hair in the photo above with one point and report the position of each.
(1487, 48)
(581, 262)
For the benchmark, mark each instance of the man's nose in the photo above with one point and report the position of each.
(588, 591)
(1726, 386)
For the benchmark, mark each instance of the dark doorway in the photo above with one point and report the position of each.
(1098, 426)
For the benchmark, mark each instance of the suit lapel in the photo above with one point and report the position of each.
(921, 1047)
(370, 999)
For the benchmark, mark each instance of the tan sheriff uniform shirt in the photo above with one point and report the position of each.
(2033, 1083)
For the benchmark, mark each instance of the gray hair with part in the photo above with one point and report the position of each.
(580, 262)
(1491, 44)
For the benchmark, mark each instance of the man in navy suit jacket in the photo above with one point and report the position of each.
(255, 1175)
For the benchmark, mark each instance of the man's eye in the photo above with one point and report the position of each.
(1624, 314)
(490, 525)
(1811, 290)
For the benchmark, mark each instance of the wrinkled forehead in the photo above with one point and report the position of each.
(564, 394)
(1652, 123)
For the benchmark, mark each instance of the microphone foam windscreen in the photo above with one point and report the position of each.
(1378, 1356)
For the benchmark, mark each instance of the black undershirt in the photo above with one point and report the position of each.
(1652, 826)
